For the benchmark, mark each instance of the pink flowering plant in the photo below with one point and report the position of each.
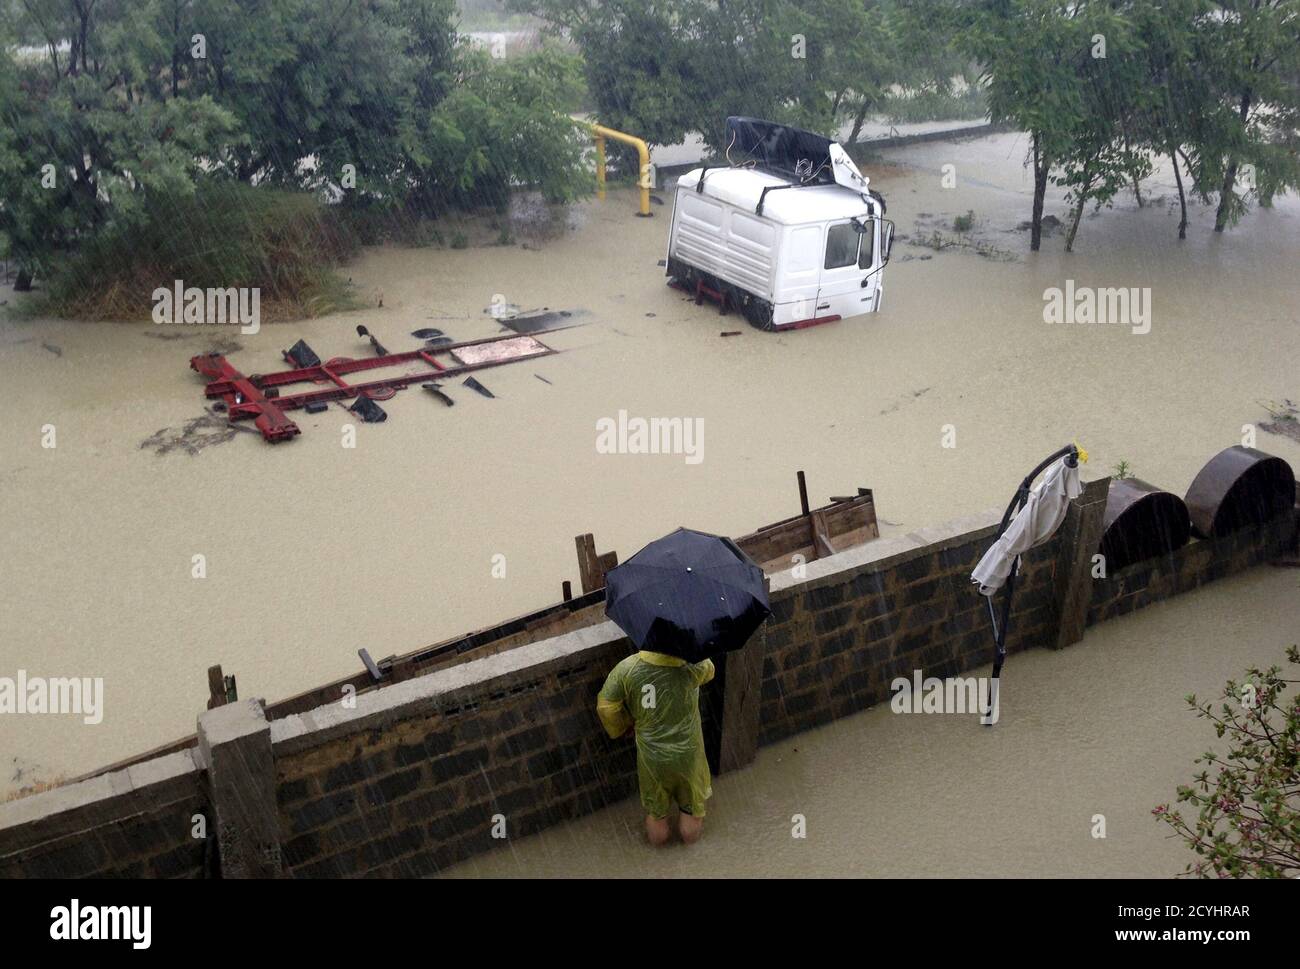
(1247, 802)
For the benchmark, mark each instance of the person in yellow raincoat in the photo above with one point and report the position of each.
(658, 697)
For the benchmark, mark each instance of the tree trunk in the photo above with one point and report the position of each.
(23, 281)
(1137, 187)
(1078, 210)
(1182, 198)
(1230, 176)
(1074, 225)
(1225, 193)
(1040, 193)
(859, 120)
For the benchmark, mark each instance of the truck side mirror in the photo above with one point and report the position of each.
(886, 239)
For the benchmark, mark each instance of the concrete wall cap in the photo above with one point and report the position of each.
(160, 769)
(56, 801)
(231, 721)
(959, 531)
(437, 689)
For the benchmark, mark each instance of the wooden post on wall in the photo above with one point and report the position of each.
(591, 566)
(216, 687)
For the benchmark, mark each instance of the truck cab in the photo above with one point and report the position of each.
(786, 249)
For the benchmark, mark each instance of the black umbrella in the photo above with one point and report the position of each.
(688, 594)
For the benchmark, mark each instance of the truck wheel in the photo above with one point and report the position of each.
(759, 314)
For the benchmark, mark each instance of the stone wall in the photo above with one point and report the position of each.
(411, 778)
(836, 641)
(135, 823)
(1198, 562)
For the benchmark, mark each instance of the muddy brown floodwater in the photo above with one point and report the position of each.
(314, 550)
(1097, 729)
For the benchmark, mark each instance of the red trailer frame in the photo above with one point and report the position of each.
(258, 397)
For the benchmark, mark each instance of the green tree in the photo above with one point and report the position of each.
(1252, 59)
(126, 99)
(83, 140)
(1102, 150)
(496, 127)
(1032, 53)
(1173, 93)
(663, 70)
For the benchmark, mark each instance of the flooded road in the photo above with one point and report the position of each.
(313, 550)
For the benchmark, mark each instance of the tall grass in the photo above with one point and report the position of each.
(225, 234)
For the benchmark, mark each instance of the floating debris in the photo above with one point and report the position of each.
(379, 347)
(57, 351)
(368, 410)
(542, 379)
(535, 322)
(473, 384)
(194, 435)
(426, 333)
(504, 311)
(1286, 419)
(437, 391)
(730, 333)
(302, 355)
(316, 407)
(1050, 224)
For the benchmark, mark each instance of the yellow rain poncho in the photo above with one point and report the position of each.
(660, 696)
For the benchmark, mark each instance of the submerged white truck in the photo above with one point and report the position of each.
(788, 233)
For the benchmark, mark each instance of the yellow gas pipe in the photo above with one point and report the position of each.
(643, 182)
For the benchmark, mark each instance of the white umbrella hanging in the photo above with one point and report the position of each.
(1032, 518)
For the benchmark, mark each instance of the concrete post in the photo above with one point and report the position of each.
(1080, 537)
(741, 689)
(235, 741)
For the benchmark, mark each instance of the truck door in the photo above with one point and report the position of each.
(848, 283)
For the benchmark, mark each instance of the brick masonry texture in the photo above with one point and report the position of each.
(833, 649)
(423, 793)
(136, 823)
(407, 780)
(1198, 562)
